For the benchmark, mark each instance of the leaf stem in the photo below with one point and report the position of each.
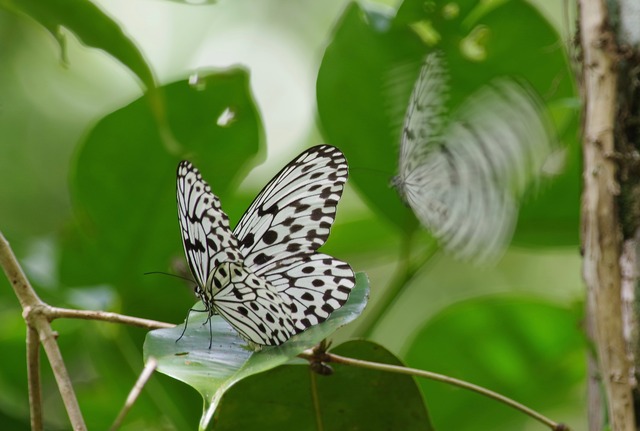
(403, 275)
(330, 357)
(316, 400)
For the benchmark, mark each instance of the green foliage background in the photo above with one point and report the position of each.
(87, 195)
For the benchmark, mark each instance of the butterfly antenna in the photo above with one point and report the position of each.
(170, 275)
(370, 170)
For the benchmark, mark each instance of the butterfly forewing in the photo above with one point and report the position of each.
(293, 214)
(284, 226)
(425, 119)
(206, 236)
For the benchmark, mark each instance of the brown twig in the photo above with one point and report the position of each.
(33, 377)
(38, 317)
(145, 375)
(48, 340)
(317, 355)
(23, 290)
(106, 316)
(38, 322)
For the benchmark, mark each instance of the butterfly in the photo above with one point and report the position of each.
(463, 174)
(266, 278)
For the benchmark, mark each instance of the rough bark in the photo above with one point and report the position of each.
(601, 227)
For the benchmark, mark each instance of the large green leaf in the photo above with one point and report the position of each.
(368, 70)
(91, 25)
(528, 349)
(351, 398)
(123, 183)
(213, 371)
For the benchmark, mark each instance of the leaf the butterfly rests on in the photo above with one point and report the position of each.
(463, 174)
(265, 278)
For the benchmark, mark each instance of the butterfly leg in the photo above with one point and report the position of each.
(186, 322)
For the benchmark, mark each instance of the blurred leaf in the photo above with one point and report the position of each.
(123, 185)
(351, 398)
(527, 349)
(368, 71)
(550, 215)
(212, 371)
(353, 236)
(351, 90)
(91, 25)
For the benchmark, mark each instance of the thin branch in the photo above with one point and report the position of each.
(38, 316)
(106, 316)
(33, 377)
(21, 286)
(31, 306)
(312, 355)
(145, 375)
(48, 339)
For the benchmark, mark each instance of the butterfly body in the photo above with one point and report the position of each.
(265, 277)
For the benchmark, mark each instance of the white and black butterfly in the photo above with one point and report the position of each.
(265, 278)
(463, 174)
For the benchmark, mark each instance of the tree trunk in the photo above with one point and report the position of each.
(610, 318)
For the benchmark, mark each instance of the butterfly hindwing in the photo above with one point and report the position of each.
(251, 305)
(316, 284)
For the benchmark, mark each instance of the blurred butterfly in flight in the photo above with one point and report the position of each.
(463, 174)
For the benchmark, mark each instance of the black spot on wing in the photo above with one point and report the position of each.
(248, 240)
(270, 237)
